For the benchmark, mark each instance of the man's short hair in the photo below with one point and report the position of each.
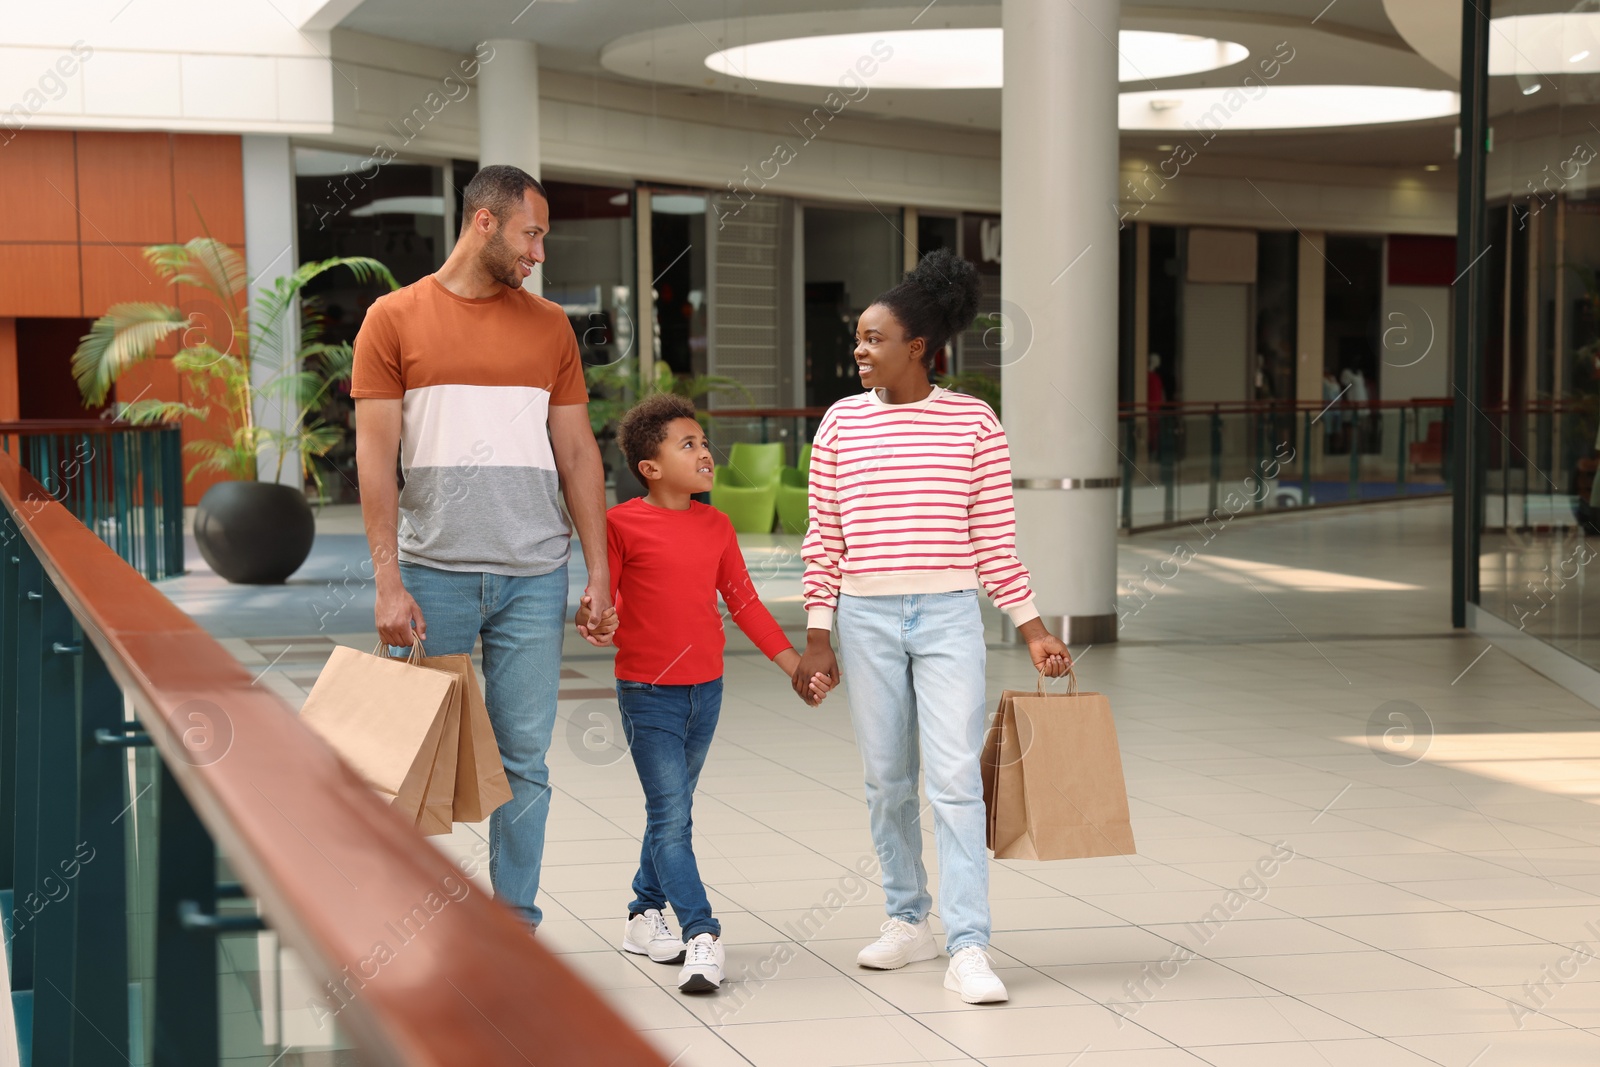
(644, 427)
(499, 188)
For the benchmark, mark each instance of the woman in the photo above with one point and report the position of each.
(910, 514)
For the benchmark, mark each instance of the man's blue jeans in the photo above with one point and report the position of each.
(669, 729)
(522, 622)
(914, 668)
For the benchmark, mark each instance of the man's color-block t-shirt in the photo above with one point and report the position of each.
(476, 380)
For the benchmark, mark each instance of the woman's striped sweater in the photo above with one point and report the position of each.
(911, 498)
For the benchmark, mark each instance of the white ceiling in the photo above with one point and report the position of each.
(665, 42)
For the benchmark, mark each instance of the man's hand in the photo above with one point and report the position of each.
(596, 619)
(398, 617)
(818, 670)
(1050, 656)
(598, 628)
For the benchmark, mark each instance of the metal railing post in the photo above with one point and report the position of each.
(10, 564)
(1355, 462)
(1130, 442)
(24, 767)
(56, 1019)
(1400, 460)
(172, 498)
(1216, 461)
(100, 978)
(186, 1022)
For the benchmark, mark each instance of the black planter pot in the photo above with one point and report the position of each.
(254, 533)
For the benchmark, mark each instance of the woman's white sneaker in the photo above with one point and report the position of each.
(649, 935)
(971, 975)
(901, 943)
(702, 965)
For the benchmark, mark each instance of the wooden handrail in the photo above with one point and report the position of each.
(330, 864)
(32, 426)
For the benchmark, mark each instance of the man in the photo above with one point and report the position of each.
(481, 383)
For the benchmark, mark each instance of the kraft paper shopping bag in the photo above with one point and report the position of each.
(385, 718)
(480, 783)
(1052, 777)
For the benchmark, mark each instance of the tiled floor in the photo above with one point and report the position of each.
(1295, 686)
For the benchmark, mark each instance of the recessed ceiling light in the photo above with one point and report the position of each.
(1206, 112)
(1163, 148)
(1431, 166)
(1563, 43)
(1531, 88)
(950, 58)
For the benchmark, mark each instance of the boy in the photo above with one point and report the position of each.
(670, 556)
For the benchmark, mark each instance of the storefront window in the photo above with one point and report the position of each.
(1536, 410)
(399, 213)
(850, 257)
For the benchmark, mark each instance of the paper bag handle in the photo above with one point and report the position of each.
(1072, 682)
(414, 657)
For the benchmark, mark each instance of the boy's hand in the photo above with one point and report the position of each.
(819, 685)
(817, 666)
(597, 631)
(813, 691)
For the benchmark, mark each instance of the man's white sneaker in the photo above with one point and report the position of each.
(901, 943)
(649, 935)
(702, 965)
(971, 975)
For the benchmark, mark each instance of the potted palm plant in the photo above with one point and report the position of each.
(249, 531)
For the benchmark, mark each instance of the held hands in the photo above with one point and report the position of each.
(816, 671)
(597, 623)
(1050, 656)
(813, 688)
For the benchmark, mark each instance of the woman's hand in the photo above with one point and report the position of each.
(1050, 656)
(818, 659)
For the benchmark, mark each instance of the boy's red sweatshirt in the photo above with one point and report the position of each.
(667, 568)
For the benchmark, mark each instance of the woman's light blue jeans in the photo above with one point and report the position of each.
(522, 621)
(914, 669)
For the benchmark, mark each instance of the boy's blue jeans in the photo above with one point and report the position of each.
(669, 729)
(522, 621)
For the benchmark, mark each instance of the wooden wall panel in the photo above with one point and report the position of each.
(8, 371)
(125, 187)
(39, 280)
(154, 379)
(38, 188)
(208, 187)
(116, 273)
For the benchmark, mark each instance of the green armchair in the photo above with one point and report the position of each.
(746, 489)
(794, 502)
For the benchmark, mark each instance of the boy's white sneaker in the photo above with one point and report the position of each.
(901, 943)
(649, 935)
(703, 958)
(971, 974)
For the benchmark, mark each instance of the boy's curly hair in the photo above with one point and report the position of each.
(644, 427)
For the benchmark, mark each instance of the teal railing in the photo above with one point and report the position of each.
(122, 481)
(190, 877)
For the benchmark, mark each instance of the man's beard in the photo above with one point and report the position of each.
(500, 261)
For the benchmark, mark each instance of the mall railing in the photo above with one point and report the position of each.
(1187, 461)
(124, 482)
(165, 823)
(1183, 462)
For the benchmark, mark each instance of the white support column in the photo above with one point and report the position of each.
(1058, 156)
(508, 114)
(271, 252)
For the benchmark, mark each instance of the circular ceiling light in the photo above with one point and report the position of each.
(950, 58)
(1280, 107)
(1567, 43)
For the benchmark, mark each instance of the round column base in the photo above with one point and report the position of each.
(1073, 629)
